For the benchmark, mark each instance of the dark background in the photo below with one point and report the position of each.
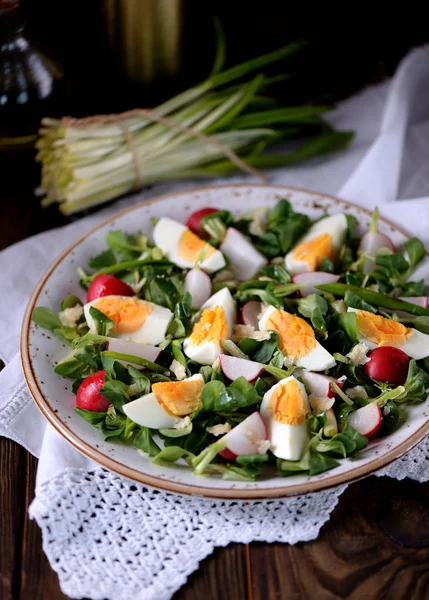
(376, 544)
(349, 46)
(347, 49)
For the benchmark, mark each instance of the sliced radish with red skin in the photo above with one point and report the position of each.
(308, 281)
(245, 437)
(88, 395)
(332, 393)
(320, 385)
(388, 364)
(366, 420)
(108, 285)
(141, 350)
(370, 243)
(233, 368)
(244, 260)
(199, 285)
(250, 313)
(194, 221)
(227, 454)
(422, 301)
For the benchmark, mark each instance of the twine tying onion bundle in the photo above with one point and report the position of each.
(119, 119)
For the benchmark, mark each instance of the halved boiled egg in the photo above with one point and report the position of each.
(135, 320)
(184, 248)
(167, 404)
(375, 330)
(323, 240)
(297, 339)
(283, 409)
(217, 318)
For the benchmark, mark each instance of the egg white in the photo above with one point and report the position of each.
(146, 411)
(335, 225)
(167, 234)
(151, 332)
(244, 260)
(318, 359)
(416, 345)
(286, 441)
(207, 352)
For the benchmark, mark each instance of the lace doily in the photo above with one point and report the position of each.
(414, 464)
(108, 537)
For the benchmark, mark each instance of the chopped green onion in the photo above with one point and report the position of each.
(232, 349)
(340, 289)
(341, 394)
(136, 360)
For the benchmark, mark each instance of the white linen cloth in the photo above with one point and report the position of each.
(110, 538)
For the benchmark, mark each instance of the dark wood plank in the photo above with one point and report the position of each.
(24, 569)
(376, 545)
(20, 212)
(221, 575)
(12, 510)
(44, 585)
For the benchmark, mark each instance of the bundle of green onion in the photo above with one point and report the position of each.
(87, 163)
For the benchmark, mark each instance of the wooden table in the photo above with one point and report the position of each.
(376, 544)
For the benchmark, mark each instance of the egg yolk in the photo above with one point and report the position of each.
(381, 331)
(128, 314)
(297, 338)
(211, 327)
(288, 403)
(314, 251)
(191, 246)
(179, 398)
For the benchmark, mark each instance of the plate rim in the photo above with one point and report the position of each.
(164, 484)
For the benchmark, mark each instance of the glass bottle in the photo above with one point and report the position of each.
(30, 83)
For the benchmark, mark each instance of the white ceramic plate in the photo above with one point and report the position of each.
(40, 352)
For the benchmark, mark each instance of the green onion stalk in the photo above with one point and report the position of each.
(209, 130)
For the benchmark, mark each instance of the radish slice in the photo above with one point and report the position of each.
(417, 300)
(366, 420)
(370, 244)
(228, 454)
(319, 385)
(141, 350)
(244, 260)
(250, 313)
(372, 241)
(422, 301)
(199, 285)
(245, 437)
(233, 368)
(307, 281)
(331, 427)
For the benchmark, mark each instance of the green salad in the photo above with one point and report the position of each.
(240, 346)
